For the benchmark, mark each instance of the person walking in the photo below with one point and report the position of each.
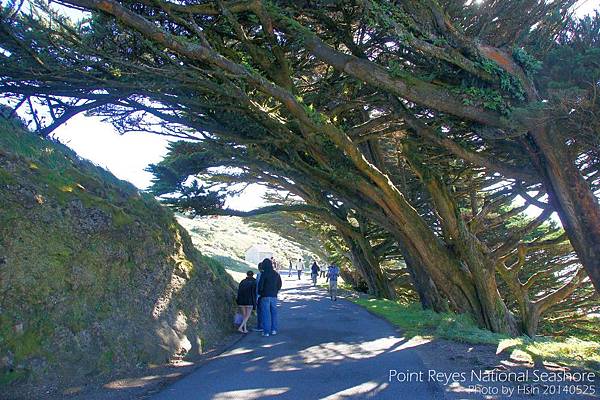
(314, 272)
(332, 274)
(290, 272)
(299, 268)
(275, 266)
(268, 287)
(246, 299)
(258, 313)
(322, 273)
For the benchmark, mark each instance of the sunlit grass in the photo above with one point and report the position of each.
(415, 321)
(570, 351)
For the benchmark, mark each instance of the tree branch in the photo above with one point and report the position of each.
(302, 208)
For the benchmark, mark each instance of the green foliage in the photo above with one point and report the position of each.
(300, 31)
(490, 66)
(439, 41)
(378, 14)
(585, 328)
(216, 266)
(106, 360)
(415, 321)
(508, 83)
(529, 63)
(247, 63)
(571, 65)
(488, 98)
(571, 69)
(9, 377)
(315, 116)
(396, 70)
(418, 322)
(511, 85)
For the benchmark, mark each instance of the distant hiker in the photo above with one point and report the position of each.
(290, 272)
(268, 287)
(314, 272)
(332, 274)
(299, 268)
(259, 327)
(322, 273)
(246, 299)
(275, 266)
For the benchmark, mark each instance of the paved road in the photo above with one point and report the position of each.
(324, 350)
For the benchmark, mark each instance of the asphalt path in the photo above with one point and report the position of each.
(323, 350)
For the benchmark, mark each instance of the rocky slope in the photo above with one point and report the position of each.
(94, 276)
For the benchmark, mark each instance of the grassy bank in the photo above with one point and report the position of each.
(95, 276)
(414, 321)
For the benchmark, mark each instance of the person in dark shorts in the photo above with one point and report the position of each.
(246, 299)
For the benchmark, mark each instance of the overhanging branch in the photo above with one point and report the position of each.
(301, 208)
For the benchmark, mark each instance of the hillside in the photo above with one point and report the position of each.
(94, 276)
(226, 240)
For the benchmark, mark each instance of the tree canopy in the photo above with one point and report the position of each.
(412, 127)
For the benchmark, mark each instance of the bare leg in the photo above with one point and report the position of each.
(243, 312)
(247, 311)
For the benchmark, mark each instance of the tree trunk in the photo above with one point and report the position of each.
(429, 295)
(572, 198)
(351, 277)
(473, 268)
(369, 268)
(497, 317)
(530, 319)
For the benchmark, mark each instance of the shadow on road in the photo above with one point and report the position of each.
(324, 349)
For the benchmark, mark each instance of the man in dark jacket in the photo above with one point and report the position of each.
(268, 287)
(314, 272)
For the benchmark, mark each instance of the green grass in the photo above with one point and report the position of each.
(233, 264)
(9, 377)
(415, 321)
(215, 265)
(62, 281)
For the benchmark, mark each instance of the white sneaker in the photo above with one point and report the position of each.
(274, 333)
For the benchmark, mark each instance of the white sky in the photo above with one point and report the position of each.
(126, 156)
